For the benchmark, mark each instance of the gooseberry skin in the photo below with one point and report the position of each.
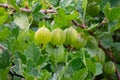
(71, 35)
(58, 36)
(93, 10)
(81, 41)
(109, 67)
(100, 56)
(42, 35)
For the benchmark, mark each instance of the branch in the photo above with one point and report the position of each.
(78, 25)
(28, 10)
(103, 22)
(109, 53)
(2, 48)
(43, 11)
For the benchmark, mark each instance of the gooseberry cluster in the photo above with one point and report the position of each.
(58, 36)
(69, 36)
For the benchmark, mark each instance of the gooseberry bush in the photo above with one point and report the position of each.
(59, 39)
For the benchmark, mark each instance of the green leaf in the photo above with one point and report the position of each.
(4, 60)
(68, 78)
(62, 12)
(116, 46)
(84, 6)
(75, 65)
(36, 8)
(80, 75)
(116, 51)
(72, 16)
(43, 61)
(32, 52)
(65, 3)
(99, 69)
(38, 15)
(13, 3)
(64, 19)
(95, 68)
(115, 27)
(3, 16)
(20, 56)
(22, 21)
(17, 68)
(16, 78)
(112, 13)
(45, 75)
(4, 30)
(57, 54)
(29, 77)
(3, 1)
(106, 39)
(92, 46)
(4, 73)
(30, 69)
(54, 2)
(91, 66)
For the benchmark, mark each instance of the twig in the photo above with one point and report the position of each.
(109, 53)
(28, 10)
(78, 25)
(2, 48)
(43, 11)
(103, 22)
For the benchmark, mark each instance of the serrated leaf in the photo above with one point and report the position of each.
(22, 21)
(36, 8)
(65, 3)
(29, 77)
(64, 19)
(45, 75)
(43, 61)
(4, 73)
(76, 64)
(95, 68)
(16, 78)
(15, 32)
(115, 27)
(106, 39)
(62, 12)
(56, 54)
(30, 69)
(21, 56)
(116, 46)
(72, 16)
(112, 13)
(68, 78)
(116, 52)
(91, 66)
(80, 75)
(53, 2)
(17, 68)
(4, 60)
(13, 4)
(99, 69)
(32, 52)
(38, 15)
(2, 33)
(3, 16)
